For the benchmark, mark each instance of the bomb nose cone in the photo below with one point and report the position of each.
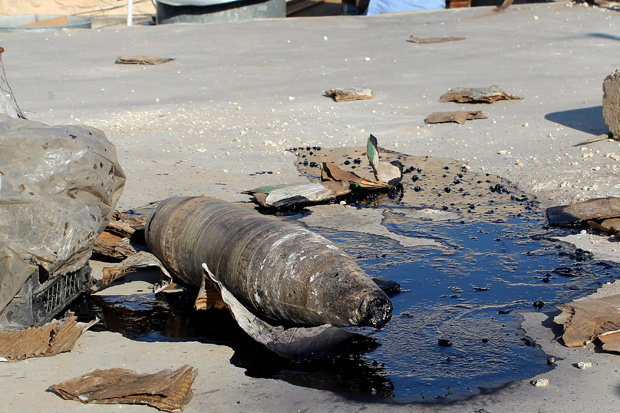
(376, 310)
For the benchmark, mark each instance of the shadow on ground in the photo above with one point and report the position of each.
(589, 120)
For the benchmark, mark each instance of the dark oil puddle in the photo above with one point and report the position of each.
(455, 330)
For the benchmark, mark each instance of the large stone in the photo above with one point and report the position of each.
(611, 102)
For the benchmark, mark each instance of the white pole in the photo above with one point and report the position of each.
(130, 13)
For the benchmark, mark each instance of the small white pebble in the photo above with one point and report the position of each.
(367, 59)
(324, 37)
(542, 382)
(583, 365)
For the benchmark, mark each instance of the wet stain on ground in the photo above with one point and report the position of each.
(455, 330)
(428, 182)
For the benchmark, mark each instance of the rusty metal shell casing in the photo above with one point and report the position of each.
(280, 270)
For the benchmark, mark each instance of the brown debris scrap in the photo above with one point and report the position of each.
(610, 226)
(57, 336)
(350, 93)
(112, 246)
(454, 117)
(580, 212)
(166, 390)
(113, 242)
(430, 40)
(477, 95)
(331, 172)
(586, 320)
(142, 259)
(142, 60)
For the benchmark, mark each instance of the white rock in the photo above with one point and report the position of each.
(541, 382)
(583, 365)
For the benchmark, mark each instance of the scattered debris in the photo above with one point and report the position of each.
(610, 341)
(114, 241)
(596, 209)
(538, 304)
(428, 183)
(335, 183)
(166, 390)
(611, 102)
(289, 196)
(503, 6)
(350, 93)
(610, 226)
(295, 343)
(57, 336)
(477, 95)
(583, 365)
(389, 172)
(541, 382)
(332, 172)
(459, 117)
(132, 263)
(281, 271)
(142, 60)
(429, 40)
(51, 218)
(586, 320)
(550, 360)
(112, 246)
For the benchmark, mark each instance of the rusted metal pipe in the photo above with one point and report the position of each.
(282, 271)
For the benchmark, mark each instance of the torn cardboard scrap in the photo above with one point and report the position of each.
(166, 390)
(131, 264)
(384, 171)
(57, 336)
(331, 172)
(115, 241)
(586, 320)
(454, 117)
(349, 94)
(477, 95)
(579, 212)
(142, 60)
(430, 40)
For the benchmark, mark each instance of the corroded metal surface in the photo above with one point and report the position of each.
(282, 271)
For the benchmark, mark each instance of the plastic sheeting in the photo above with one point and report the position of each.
(58, 186)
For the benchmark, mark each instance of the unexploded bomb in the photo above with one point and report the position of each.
(281, 270)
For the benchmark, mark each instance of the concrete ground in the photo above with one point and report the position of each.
(240, 94)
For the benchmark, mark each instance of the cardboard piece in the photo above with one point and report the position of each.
(57, 336)
(142, 60)
(477, 95)
(349, 94)
(431, 40)
(166, 390)
(132, 263)
(389, 172)
(586, 320)
(578, 212)
(454, 117)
